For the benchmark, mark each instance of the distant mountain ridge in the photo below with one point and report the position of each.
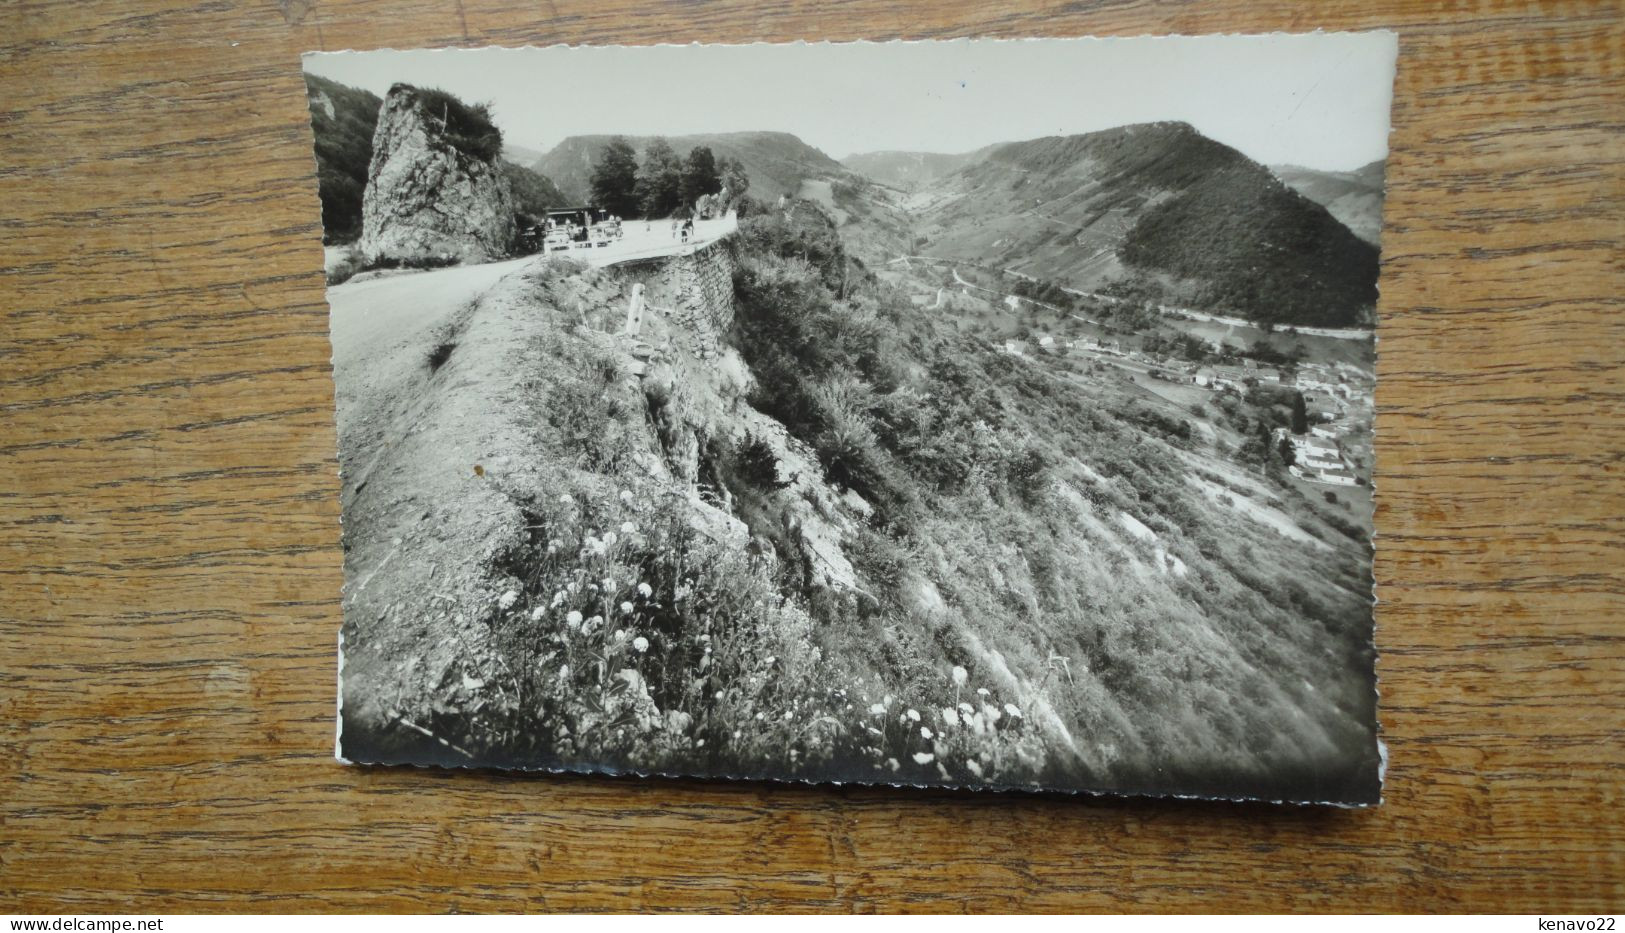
(1156, 210)
(1355, 198)
(776, 162)
(909, 170)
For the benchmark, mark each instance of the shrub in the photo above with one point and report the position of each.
(467, 128)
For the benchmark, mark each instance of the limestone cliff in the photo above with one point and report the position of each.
(429, 195)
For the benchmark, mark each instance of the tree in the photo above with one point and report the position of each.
(1300, 414)
(700, 175)
(660, 180)
(1288, 456)
(734, 178)
(615, 179)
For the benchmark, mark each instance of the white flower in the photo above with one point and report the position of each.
(992, 713)
(628, 528)
(973, 767)
(536, 614)
(717, 695)
(566, 500)
(924, 758)
(960, 676)
(770, 660)
(893, 764)
(610, 539)
(573, 620)
(877, 710)
(641, 644)
(1012, 710)
(788, 715)
(626, 496)
(982, 690)
(913, 715)
(564, 672)
(609, 584)
(619, 636)
(966, 708)
(950, 716)
(626, 607)
(925, 732)
(592, 624)
(506, 600)
(645, 590)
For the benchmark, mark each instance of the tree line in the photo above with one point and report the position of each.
(663, 183)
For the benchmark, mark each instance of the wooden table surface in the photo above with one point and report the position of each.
(170, 556)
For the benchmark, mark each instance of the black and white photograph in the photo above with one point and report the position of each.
(987, 414)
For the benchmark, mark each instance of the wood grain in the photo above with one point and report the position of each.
(171, 571)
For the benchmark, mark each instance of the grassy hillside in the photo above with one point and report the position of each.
(1052, 579)
(1354, 198)
(775, 162)
(1156, 209)
(343, 120)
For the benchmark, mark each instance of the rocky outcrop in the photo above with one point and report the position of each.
(426, 198)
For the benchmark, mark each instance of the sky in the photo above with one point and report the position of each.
(1318, 100)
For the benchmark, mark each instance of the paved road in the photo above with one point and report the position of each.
(370, 317)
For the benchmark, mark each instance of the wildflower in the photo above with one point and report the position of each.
(552, 547)
(877, 710)
(626, 607)
(573, 620)
(893, 764)
(704, 639)
(645, 590)
(913, 715)
(973, 767)
(992, 714)
(760, 717)
(566, 500)
(609, 584)
(738, 733)
(717, 696)
(536, 614)
(982, 691)
(626, 496)
(564, 672)
(924, 758)
(788, 715)
(700, 744)
(960, 676)
(619, 636)
(628, 528)
(558, 597)
(610, 539)
(926, 733)
(640, 644)
(1012, 710)
(966, 708)
(506, 600)
(950, 716)
(770, 660)
(592, 624)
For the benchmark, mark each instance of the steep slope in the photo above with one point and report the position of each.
(1156, 210)
(776, 163)
(343, 120)
(533, 193)
(1354, 198)
(908, 170)
(795, 526)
